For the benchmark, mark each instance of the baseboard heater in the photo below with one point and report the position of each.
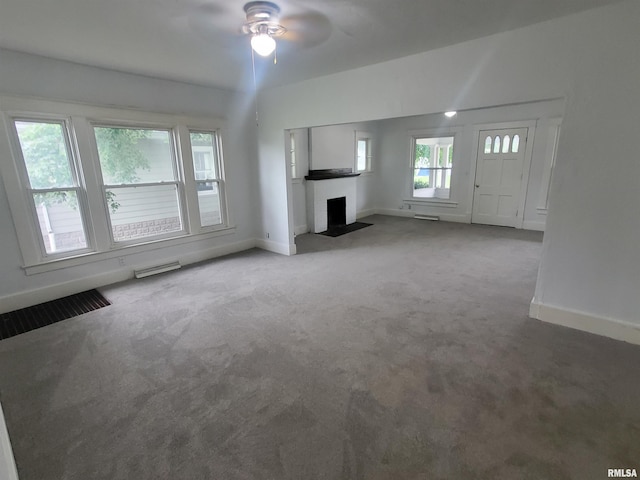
(420, 216)
(147, 272)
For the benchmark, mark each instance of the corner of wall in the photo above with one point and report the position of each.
(276, 247)
(8, 469)
(606, 327)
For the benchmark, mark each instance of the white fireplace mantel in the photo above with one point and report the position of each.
(319, 191)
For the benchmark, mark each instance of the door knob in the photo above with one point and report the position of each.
(477, 186)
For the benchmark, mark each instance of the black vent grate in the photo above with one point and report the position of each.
(27, 319)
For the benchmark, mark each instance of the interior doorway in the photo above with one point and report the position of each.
(499, 176)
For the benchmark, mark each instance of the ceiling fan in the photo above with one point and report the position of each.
(262, 24)
(224, 24)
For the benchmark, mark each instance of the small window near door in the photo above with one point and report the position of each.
(432, 167)
(487, 145)
(516, 144)
(496, 144)
(363, 152)
(505, 144)
(292, 155)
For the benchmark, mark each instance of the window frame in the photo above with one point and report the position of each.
(292, 149)
(79, 119)
(367, 137)
(422, 134)
(28, 191)
(218, 168)
(178, 181)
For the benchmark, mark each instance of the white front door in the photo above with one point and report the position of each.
(499, 176)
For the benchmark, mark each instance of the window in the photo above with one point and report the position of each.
(53, 185)
(363, 152)
(140, 182)
(515, 144)
(432, 167)
(204, 148)
(292, 154)
(81, 189)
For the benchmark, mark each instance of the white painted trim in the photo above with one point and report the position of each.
(531, 225)
(553, 135)
(301, 229)
(430, 203)
(125, 251)
(607, 327)
(526, 170)
(34, 297)
(276, 247)
(454, 218)
(395, 212)
(8, 470)
(365, 213)
(526, 165)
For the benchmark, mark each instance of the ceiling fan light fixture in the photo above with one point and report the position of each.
(263, 44)
(263, 25)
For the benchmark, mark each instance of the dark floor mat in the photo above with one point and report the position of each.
(337, 231)
(30, 318)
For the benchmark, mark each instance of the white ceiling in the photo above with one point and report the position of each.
(198, 41)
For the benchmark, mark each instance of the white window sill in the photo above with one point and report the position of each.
(431, 202)
(123, 251)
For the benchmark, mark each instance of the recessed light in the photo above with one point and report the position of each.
(450, 114)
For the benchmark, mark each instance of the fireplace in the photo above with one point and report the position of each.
(331, 200)
(336, 212)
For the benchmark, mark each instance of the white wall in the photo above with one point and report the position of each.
(590, 261)
(32, 76)
(395, 155)
(333, 146)
(298, 190)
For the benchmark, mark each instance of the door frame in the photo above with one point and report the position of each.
(526, 167)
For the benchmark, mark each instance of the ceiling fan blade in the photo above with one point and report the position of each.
(306, 29)
(220, 25)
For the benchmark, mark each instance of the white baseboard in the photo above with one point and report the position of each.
(276, 247)
(395, 212)
(365, 213)
(537, 226)
(8, 469)
(607, 327)
(300, 230)
(446, 217)
(52, 292)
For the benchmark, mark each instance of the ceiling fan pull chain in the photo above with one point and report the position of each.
(255, 84)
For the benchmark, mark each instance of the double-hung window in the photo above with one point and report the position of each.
(89, 181)
(432, 167)
(206, 166)
(140, 182)
(53, 185)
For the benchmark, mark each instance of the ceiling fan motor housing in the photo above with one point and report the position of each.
(262, 17)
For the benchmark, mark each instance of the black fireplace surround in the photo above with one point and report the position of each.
(330, 173)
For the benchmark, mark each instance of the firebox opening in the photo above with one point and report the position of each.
(336, 212)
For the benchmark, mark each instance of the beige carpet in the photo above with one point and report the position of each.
(399, 351)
